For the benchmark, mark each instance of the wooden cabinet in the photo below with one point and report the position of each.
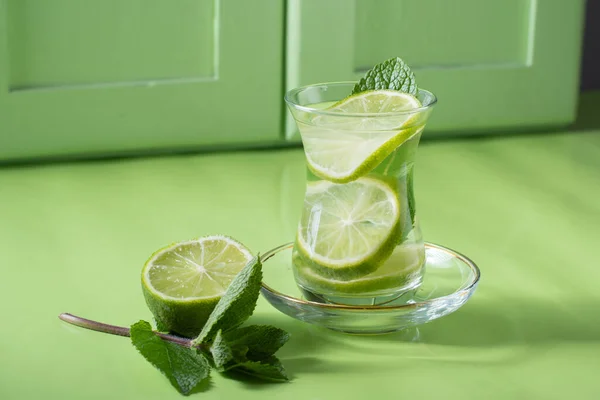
(117, 76)
(106, 76)
(494, 65)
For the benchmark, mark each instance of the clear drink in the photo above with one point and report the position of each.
(358, 239)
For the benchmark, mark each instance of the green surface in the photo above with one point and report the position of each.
(524, 208)
(493, 64)
(81, 77)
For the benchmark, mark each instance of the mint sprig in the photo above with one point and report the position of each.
(223, 354)
(392, 74)
(262, 341)
(236, 305)
(270, 369)
(250, 350)
(184, 367)
(222, 344)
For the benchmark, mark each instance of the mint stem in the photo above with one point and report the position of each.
(118, 330)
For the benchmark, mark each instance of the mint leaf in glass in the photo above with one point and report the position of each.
(183, 366)
(393, 74)
(236, 305)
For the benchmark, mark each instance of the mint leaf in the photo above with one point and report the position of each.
(236, 305)
(392, 74)
(261, 341)
(270, 369)
(222, 352)
(252, 343)
(181, 365)
(247, 350)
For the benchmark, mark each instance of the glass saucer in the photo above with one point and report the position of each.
(450, 280)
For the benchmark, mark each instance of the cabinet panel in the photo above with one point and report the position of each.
(94, 42)
(494, 65)
(434, 33)
(104, 76)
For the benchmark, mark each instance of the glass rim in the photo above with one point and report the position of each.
(312, 110)
(300, 301)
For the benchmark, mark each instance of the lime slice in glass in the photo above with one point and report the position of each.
(399, 268)
(183, 282)
(341, 148)
(348, 230)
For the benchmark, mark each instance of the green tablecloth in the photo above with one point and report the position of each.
(526, 209)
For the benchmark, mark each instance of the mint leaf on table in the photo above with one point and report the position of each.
(222, 352)
(222, 344)
(393, 74)
(250, 350)
(236, 305)
(183, 366)
(270, 369)
(262, 341)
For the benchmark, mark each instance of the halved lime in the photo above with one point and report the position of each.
(348, 230)
(183, 282)
(342, 148)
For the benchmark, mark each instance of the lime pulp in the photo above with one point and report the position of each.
(183, 282)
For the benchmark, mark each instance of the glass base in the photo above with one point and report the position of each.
(449, 280)
(366, 299)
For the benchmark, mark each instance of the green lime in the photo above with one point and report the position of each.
(183, 282)
(377, 102)
(348, 230)
(341, 148)
(402, 266)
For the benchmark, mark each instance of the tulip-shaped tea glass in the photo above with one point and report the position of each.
(358, 240)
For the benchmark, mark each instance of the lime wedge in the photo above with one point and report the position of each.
(342, 148)
(348, 230)
(183, 282)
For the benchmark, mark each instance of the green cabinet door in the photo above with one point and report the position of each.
(494, 64)
(106, 76)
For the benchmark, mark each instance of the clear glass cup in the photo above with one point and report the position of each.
(374, 204)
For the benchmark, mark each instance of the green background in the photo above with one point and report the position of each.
(74, 238)
(92, 77)
(95, 79)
